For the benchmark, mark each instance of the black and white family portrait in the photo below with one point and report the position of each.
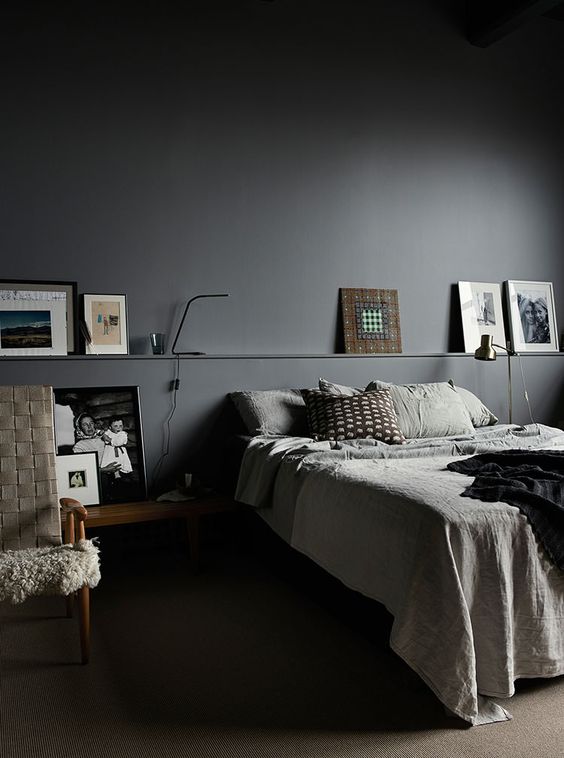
(106, 421)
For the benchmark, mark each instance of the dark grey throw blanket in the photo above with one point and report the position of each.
(533, 481)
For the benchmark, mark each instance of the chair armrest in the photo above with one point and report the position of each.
(74, 530)
(70, 505)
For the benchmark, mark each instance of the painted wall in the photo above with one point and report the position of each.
(277, 151)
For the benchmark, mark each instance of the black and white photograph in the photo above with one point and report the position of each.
(78, 477)
(482, 313)
(484, 308)
(105, 421)
(533, 318)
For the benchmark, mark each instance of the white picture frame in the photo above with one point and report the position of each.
(78, 477)
(532, 316)
(105, 318)
(33, 322)
(482, 313)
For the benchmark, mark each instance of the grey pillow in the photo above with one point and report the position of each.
(337, 389)
(272, 411)
(479, 413)
(428, 410)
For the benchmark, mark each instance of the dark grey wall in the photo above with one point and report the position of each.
(276, 151)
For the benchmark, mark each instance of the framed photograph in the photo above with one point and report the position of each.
(78, 476)
(33, 322)
(69, 288)
(371, 320)
(105, 421)
(532, 317)
(482, 313)
(105, 318)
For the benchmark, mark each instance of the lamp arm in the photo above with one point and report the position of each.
(197, 297)
(508, 350)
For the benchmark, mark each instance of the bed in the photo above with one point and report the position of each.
(475, 600)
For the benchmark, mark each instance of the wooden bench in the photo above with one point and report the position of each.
(151, 510)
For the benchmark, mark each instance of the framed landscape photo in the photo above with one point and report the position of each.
(105, 421)
(78, 476)
(105, 318)
(33, 322)
(482, 313)
(70, 290)
(371, 321)
(532, 316)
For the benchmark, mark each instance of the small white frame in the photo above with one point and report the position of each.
(78, 477)
(482, 313)
(106, 338)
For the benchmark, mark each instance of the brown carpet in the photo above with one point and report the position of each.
(234, 661)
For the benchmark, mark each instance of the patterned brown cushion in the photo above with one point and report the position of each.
(369, 415)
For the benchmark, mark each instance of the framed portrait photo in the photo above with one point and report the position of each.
(105, 318)
(105, 421)
(69, 288)
(371, 321)
(78, 477)
(33, 322)
(532, 316)
(482, 313)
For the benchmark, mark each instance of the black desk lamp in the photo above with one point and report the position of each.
(486, 352)
(174, 352)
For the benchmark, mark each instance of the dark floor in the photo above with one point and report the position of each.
(255, 655)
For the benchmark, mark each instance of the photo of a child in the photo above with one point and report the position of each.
(115, 448)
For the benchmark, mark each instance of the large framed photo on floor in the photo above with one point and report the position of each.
(105, 421)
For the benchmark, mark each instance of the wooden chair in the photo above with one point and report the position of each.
(33, 558)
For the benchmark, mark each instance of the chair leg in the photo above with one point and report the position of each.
(84, 605)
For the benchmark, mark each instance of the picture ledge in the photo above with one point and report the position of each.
(247, 356)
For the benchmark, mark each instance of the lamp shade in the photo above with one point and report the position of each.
(486, 352)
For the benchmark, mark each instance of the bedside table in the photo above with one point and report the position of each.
(150, 510)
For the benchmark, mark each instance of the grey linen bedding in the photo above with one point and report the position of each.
(476, 602)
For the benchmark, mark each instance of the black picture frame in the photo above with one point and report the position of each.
(71, 290)
(122, 466)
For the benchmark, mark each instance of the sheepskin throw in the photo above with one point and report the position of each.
(57, 570)
(29, 509)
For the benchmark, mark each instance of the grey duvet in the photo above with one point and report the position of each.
(476, 601)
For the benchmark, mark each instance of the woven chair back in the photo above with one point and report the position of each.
(29, 508)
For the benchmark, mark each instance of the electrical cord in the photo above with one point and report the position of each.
(174, 387)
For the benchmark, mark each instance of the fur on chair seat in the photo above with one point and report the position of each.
(58, 570)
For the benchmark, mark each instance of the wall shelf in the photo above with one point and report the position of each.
(245, 356)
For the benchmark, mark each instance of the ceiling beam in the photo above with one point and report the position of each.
(490, 20)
